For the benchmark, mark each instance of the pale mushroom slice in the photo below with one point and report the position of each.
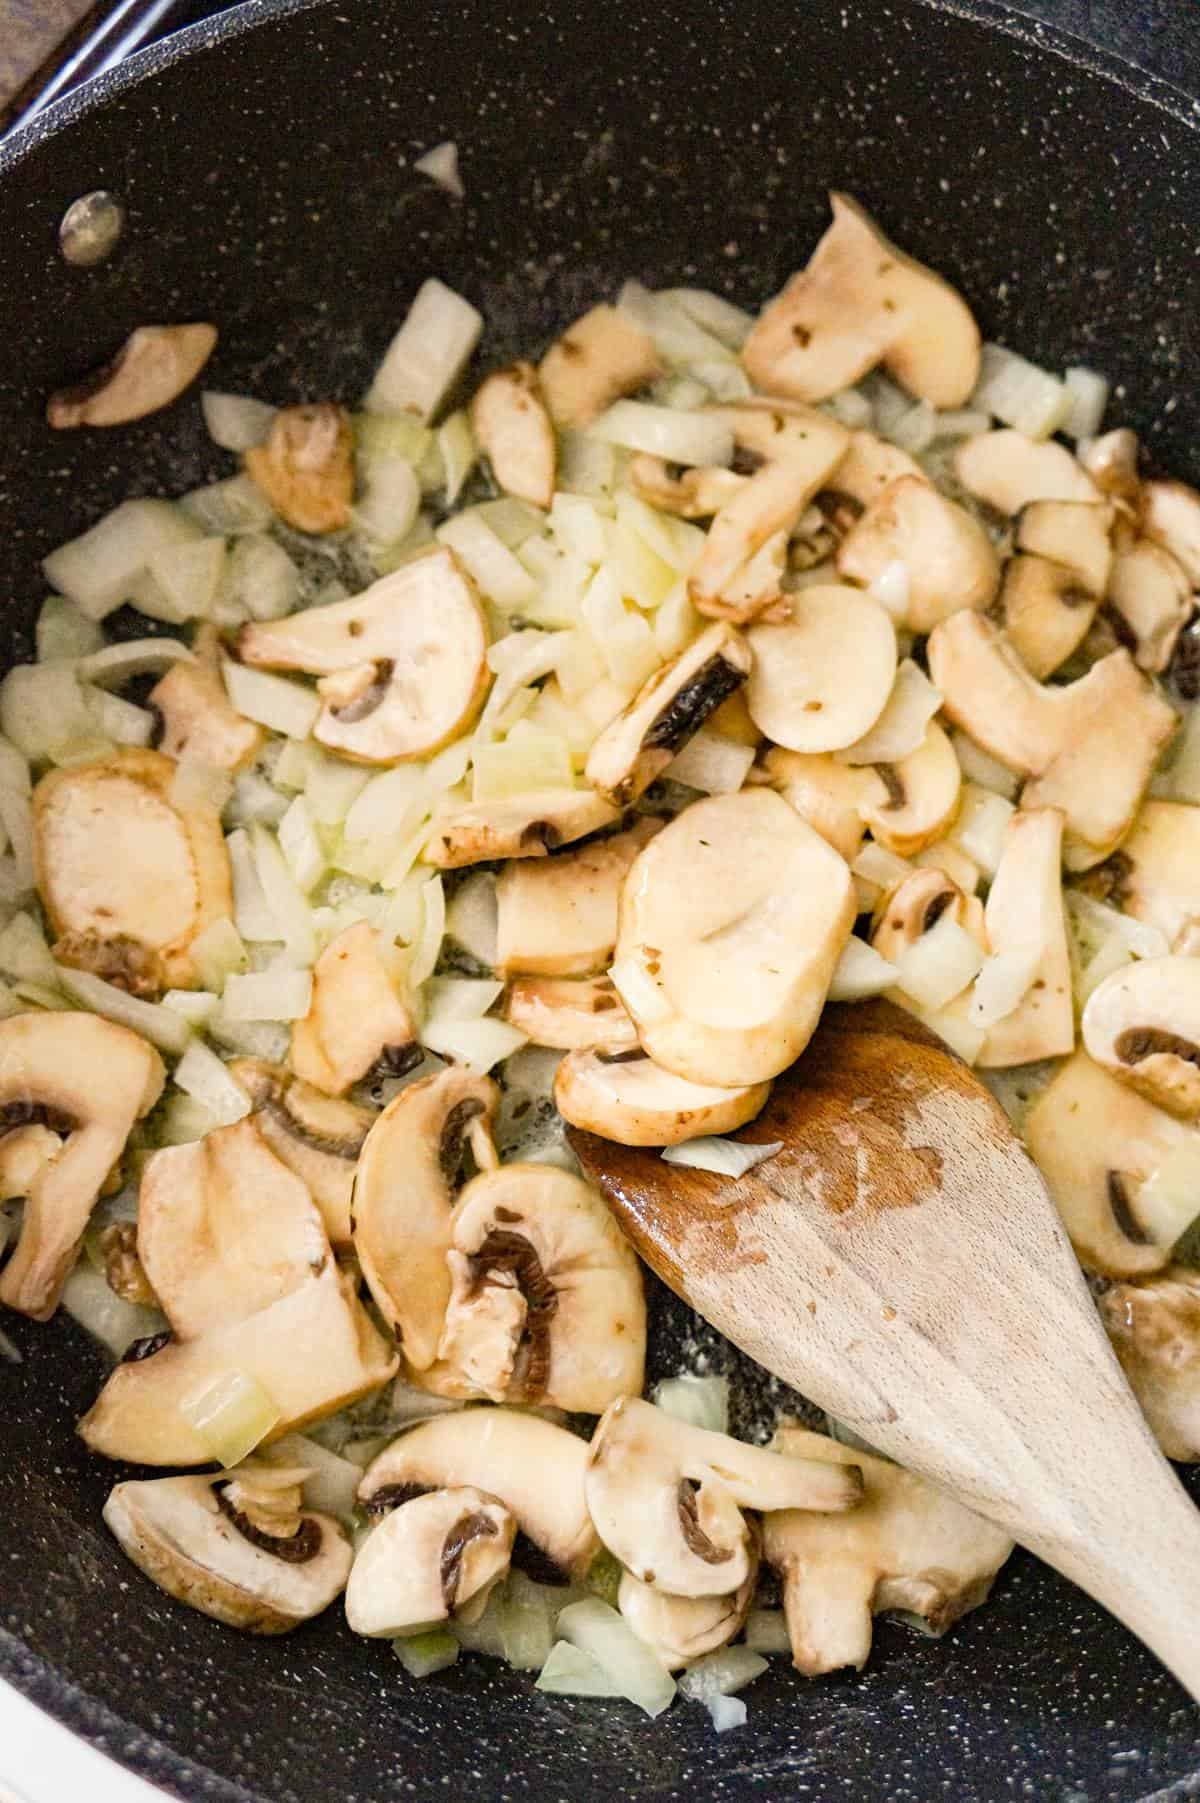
(515, 433)
(669, 707)
(403, 666)
(599, 358)
(1155, 876)
(534, 1468)
(404, 1191)
(557, 917)
(152, 368)
(1112, 462)
(1096, 1142)
(357, 1021)
(1047, 613)
(914, 907)
(1171, 515)
(317, 1136)
(199, 722)
(187, 1536)
(1155, 1332)
(947, 558)
(99, 828)
(828, 794)
(306, 466)
(1027, 930)
(570, 1014)
(732, 921)
(521, 826)
(625, 1096)
(427, 1560)
(871, 465)
(1075, 534)
(24, 1154)
(87, 1081)
(821, 681)
(1151, 591)
(225, 1229)
(667, 1497)
(546, 1302)
(314, 1352)
(682, 1629)
(1008, 471)
(862, 302)
(911, 803)
(1143, 1025)
(907, 1546)
(692, 494)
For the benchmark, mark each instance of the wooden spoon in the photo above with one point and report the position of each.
(900, 1262)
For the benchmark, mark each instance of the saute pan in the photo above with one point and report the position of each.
(265, 165)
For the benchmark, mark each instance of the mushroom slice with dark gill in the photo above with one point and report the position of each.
(557, 917)
(912, 802)
(151, 369)
(403, 666)
(602, 356)
(88, 1081)
(667, 1497)
(625, 1096)
(404, 1192)
(1026, 926)
(670, 706)
(199, 721)
(946, 555)
(306, 467)
(317, 1136)
(430, 1558)
(907, 1546)
(534, 1468)
(357, 1021)
(515, 433)
(570, 1014)
(1155, 1332)
(546, 1302)
(1151, 591)
(861, 302)
(519, 826)
(1143, 1025)
(177, 1531)
(1155, 876)
(98, 828)
(682, 1629)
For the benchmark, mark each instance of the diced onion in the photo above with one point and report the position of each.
(423, 1654)
(689, 438)
(875, 864)
(915, 430)
(117, 719)
(331, 1485)
(981, 826)
(960, 422)
(331, 788)
(24, 954)
(428, 353)
(477, 1044)
(462, 998)
(594, 1628)
(97, 569)
(279, 994)
(586, 466)
(283, 897)
(528, 759)
(488, 561)
(1168, 1200)
(624, 638)
(726, 1712)
(677, 336)
(460, 453)
(726, 1157)
(702, 1401)
(732, 325)
(390, 499)
(301, 846)
(861, 972)
(42, 707)
(236, 422)
(117, 664)
(64, 632)
(1087, 393)
(1093, 922)
(182, 582)
(767, 1631)
(161, 1026)
(275, 701)
(1004, 980)
(196, 784)
(262, 580)
(960, 1034)
(939, 965)
(851, 408)
(711, 763)
(526, 1615)
(901, 727)
(1019, 394)
(231, 507)
(570, 1672)
(982, 769)
(16, 817)
(441, 166)
(116, 1323)
(251, 1038)
(721, 1673)
(427, 948)
(195, 1006)
(230, 1415)
(184, 1121)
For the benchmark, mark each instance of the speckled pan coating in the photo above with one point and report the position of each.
(265, 177)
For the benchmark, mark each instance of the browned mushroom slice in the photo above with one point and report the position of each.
(693, 494)
(670, 706)
(557, 917)
(88, 1081)
(570, 1014)
(199, 721)
(1171, 515)
(515, 433)
(626, 1097)
(357, 1021)
(1155, 1332)
(98, 829)
(317, 1136)
(947, 557)
(152, 369)
(861, 302)
(601, 357)
(911, 803)
(1156, 874)
(431, 1557)
(1143, 1025)
(1047, 613)
(1151, 591)
(521, 826)
(306, 467)
(1008, 471)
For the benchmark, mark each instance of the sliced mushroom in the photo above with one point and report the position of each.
(1156, 874)
(190, 1540)
(199, 721)
(692, 494)
(914, 907)
(535, 1469)
(428, 1559)
(870, 465)
(1026, 926)
(124, 1272)
(669, 707)
(317, 1136)
(571, 1014)
(1096, 1141)
(24, 1154)
(152, 368)
(1155, 1332)
(403, 665)
(1075, 534)
(546, 1302)
(306, 466)
(626, 1097)
(88, 1081)
(1171, 515)
(313, 1352)
(404, 1191)
(557, 917)
(225, 1229)
(1151, 591)
(683, 1628)
(1112, 462)
(828, 794)
(601, 357)
(906, 1546)
(1009, 471)
(800, 449)
(1143, 1024)
(911, 803)
(1047, 614)
(521, 826)
(667, 1497)
(81, 816)
(861, 302)
(357, 1022)
(946, 554)
(822, 680)
(732, 920)
(515, 433)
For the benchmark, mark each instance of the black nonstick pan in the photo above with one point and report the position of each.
(264, 162)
